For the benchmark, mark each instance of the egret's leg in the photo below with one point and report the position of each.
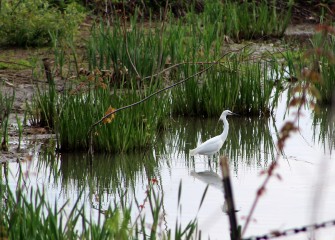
(210, 161)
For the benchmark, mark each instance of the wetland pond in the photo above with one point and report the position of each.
(304, 195)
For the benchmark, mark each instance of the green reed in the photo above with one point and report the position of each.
(46, 100)
(324, 63)
(20, 131)
(126, 131)
(246, 19)
(124, 54)
(6, 104)
(243, 88)
(315, 64)
(127, 47)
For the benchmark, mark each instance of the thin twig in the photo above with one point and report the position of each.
(161, 36)
(274, 164)
(126, 41)
(179, 64)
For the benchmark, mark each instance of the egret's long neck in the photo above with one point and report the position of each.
(225, 130)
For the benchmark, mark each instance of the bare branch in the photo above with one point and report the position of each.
(126, 41)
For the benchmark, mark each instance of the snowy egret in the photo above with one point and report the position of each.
(213, 145)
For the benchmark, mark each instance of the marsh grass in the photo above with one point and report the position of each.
(26, 213)
(245, 20)
(324, 63)
(126, 48)
(20, 131)
(124, 131)
(243, 88)
(124, 60)
(316, 65)
(6, 104)
(46, 101)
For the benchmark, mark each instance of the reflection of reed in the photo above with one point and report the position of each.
(324, 128)
(252, 141)
(249, 141)
(105, 176)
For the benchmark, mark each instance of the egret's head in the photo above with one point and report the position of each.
(225, 114)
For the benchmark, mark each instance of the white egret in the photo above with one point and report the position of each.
(213, 145)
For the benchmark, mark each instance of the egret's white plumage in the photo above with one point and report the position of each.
(213, 145)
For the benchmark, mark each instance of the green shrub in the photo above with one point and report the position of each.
(30, 22)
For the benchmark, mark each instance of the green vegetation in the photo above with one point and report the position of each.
(30, 22)
(129, 61)
(243, 88)
(323, 60)
(27, 214)
(6, 104)
(71, 113)
(316, 66)
(129, 52)
(123, 63)
(244, 19)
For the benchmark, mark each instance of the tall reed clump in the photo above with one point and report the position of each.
(322, 56)
(6, 103)
(124, 131)
(127, 49)
(317, 64)
(244, 88)
(246, 19)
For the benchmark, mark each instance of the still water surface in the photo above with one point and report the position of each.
(305, 193)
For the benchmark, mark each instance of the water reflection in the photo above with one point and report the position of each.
(249, 140)
(115, 177)
(105, 178)
(324, 128)
(209, 177)
(123, 178)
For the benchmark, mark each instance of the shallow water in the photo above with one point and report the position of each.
(303, 196)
